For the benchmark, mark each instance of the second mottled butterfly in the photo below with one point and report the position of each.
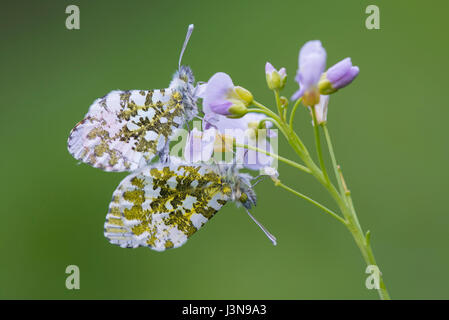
(161, 206)
(125, 130)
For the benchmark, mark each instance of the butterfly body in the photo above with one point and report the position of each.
(162, 205)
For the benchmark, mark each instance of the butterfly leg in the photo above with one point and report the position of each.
(259, 179)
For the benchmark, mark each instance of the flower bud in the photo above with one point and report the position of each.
(275, 79)
(325, 86)
(244, 95)
(284, 101)
(237, 110)
(338, 76)
(221, 97)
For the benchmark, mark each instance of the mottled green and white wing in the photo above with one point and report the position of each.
(161, 206)
(125, 129)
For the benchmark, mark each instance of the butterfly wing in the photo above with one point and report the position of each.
(161, 206)
(126, 129)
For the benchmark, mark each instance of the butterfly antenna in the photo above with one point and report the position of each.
(269, 235)
(189, 33)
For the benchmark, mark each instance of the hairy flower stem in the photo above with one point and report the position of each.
(363, 241)
(351, 220)
(342, 196)
(279, 105)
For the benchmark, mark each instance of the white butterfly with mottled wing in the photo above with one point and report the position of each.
(161, 206)
(125, 130)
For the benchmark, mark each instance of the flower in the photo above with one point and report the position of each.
(222, 97)
(225, 109)
(200, 145)
(245, 130)
(223, 143)
(312, 62)
(275, 79)
(338, 76)
(321, 110)
(250, 121)
(252, 159)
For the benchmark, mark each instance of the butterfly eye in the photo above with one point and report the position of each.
(243, 198)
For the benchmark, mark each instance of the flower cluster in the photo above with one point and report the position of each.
(314, 82)
(228, 121)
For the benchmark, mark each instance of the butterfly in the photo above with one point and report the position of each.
(124, 130)
(161, 206)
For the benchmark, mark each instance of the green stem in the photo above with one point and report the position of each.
(262, 124)
(342, 196)
(282, 159)
(345, 193)
(334, 161)
(292, 114)
(272, 116)
(353, 224)
(266, 109)
(274, 121)
(318, 145)
(319, 205)
(367, 252)
(278, 103)
(268, 113)
(349, 215)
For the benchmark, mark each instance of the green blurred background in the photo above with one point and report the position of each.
(388, 128)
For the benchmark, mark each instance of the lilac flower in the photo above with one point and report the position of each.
(252, 135)
(244, 130)
(222, 97)
(312, 63)
(200, 145)
(225, 109)
(248, 121)
(252, 159)
(275, 79)
(338, 76)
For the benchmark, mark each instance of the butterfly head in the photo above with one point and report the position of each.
(185, 74)
(238, 186)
